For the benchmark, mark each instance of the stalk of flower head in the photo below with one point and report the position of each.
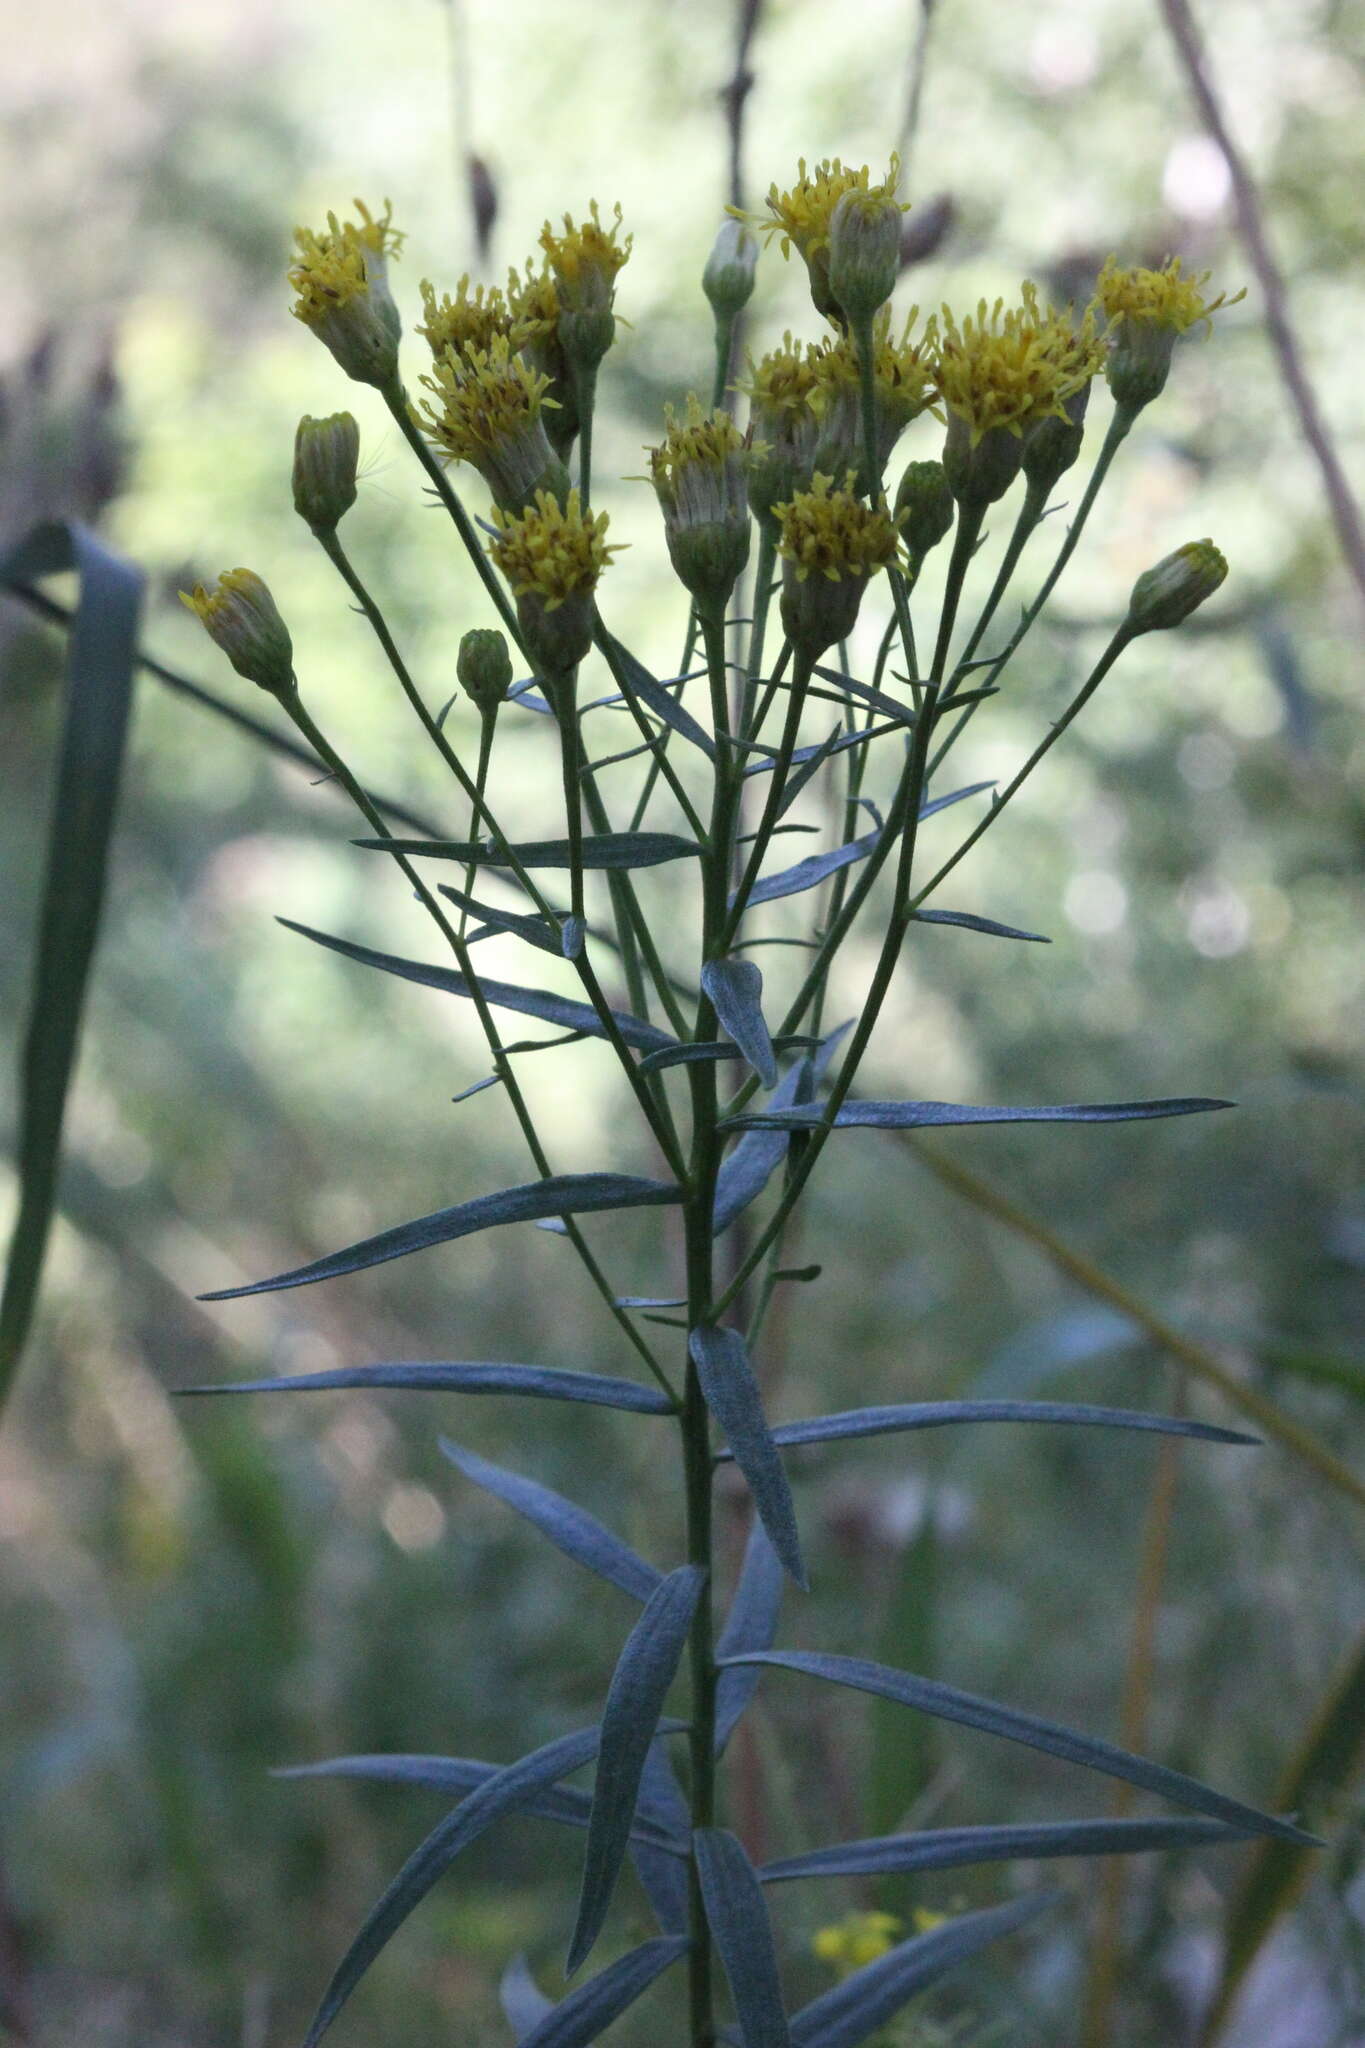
(583, 262)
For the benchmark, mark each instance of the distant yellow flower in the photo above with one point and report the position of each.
(474, 318)
(801, 218)
(1148, 310)
(858, 1939)
(487, 412)
(240, 616)
(551, 551)
(340, 277)
(584, 261)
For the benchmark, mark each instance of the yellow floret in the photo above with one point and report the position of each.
(699, 440)
(552, 551)
(832, 533)
(902, 370)
(338, 265)
(784, 380)
(1165, 297)
(586, 258)
(474, 318)
(1011, 368)
(484, 397)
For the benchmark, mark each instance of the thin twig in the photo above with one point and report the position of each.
(914, 97)
(1251, 224)
(735, 95)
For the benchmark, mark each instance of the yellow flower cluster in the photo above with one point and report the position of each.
(1012, 368)
(333, 268)
(829, 532)
(1164, 298)
(484, 396)
(860, 1938)
(552, 551)
(902, 370)
(783, 381)
(709, 443)
(801, 217)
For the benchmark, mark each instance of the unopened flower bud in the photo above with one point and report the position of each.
(699, 477)
(243, 619)
(864, 251)
(925, 508)
(980, 471)
(484, 668)
(326, 453)
(1053, 444)
(1166, 595)
(728, 279)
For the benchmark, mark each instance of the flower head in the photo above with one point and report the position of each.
(242, 618)
(584, 261)
(902, 386)
(552, 555)
(728, 279)
(474, 318)
(1166, 595)
(802, 218)
(830, 543)
(487, 412)
(698, 473)
(340, 277)
(534, 304)
(1148, 311)
(784, 425)
(857, 1939)
(999, 375)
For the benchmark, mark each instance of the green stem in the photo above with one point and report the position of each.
(397, 401)
(865, 339)
(970, 513)
(777, 784)
(585, 392)
(488, 718)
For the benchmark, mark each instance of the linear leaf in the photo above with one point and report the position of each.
(461, 1774)
(738, 1918)
(953, 796)
(873, 1995)
(909, 1415)
(1009, 1725)
(979, 924)
(735, 988)
(701, 1049)
(100, 659)
(536, 930)
(806, 761)
(961, 1848)
(570, 1528)
(506, 1790)
(914, 1116)
(661, 1870)
(751, 1624)
(747, 1169)
(656, 695)
(600, 850)
(536, 1382)
(564, 1194)
(731, 1393)
(864, 693)
(587, 2012)
(635, 1699)
(809, 873)
(502, 995)
(523, 2002)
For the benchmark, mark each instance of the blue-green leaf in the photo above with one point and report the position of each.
(101, 654)
(523, 2002)
(735, 987)
(660, 1869)
(958, 1848)
(915, 1116)
(502, 995)
(639, 1685)
(536, 1382)
(979, 924)
(864, 693)
(586, 2013)
(570, 1528)
(600, 850)
(898, 1416)
(697, 1050)
(637, 679)
(536, 930)
(738, 1918)
(748, 1168)
(751, 1624)
(564, 1194)
(731, 1393)
(946, 1703)
(864, 2002)
(502, 1793)
(809, 873)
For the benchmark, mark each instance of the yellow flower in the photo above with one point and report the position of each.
(858, 1939)
(552, 551)
(474, 318)
(340, 277)
(1011, 368)
(802, 218)
(242, 618)
(584, 261)
(698, 473)
(831, 543)
(902, 384)
(534, 305)
(784, 425)
(1148, 310)
(487, 412)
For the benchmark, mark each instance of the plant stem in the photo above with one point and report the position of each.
(970, 513)
(397, 402)
(772, 808)
(864, 336)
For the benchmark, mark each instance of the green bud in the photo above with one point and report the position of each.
(924, 510)
(325, 456)
(728, 279)
(864, 252)
(1052, 445)
(242, 618)
(1139, 361)
(1164, 596)
(484, 668)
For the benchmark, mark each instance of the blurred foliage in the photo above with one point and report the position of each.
(189, 1596)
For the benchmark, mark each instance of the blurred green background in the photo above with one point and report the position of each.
(192, 1593)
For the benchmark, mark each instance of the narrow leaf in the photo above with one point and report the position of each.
(979, 924)
(566, 1194)
(570, 1528)
(961, 1848)
(746, 1170)
(914, 1116)
(523, 2002)
(735, 988)
(703, 1049)
(501, 995)
(661, 1870)
(536, 1382)
(890, 1421)
(536, 930)
(1009, 1725)
(602, 850)
(635, 1701)
(502, 1793)
(637, 679)
(863, 693)
(586, 2013)
(738, 1918)
(731, 1393)
(751, 1624)
(809, 873)
(953, 796)
(101, 653)
(864, 2002)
